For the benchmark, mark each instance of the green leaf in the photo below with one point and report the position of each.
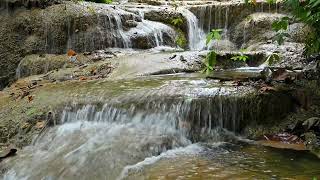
(214, 34)
(281, 24)
(240, 57)
(209, 37)
(271, 1)
(211, 60)
(177, 21)
(273, 58)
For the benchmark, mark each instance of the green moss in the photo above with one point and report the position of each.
(181, 39)
(34, 112)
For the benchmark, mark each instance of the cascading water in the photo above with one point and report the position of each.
(182, 118)
(87, 134)
(196, 35)
(125, 39)
(114, 138)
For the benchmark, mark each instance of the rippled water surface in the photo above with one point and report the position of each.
(174, 129)
(234, 162)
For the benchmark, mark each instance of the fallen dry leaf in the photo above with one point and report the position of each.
(266, 89)
(71, 52)
(30, 98)
(40, 124)
(82, 78)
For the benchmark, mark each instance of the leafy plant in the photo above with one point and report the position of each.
(177, 21)
(214, 34)
(240, 56)
(282, 24)
(211, 60)
(181, 40)
(273, 58)
(308, 11)
(271, 1)
(281, 27)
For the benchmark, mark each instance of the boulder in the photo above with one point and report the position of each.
(312, 124)
(12, 4)
(79, 26)
(254, 28)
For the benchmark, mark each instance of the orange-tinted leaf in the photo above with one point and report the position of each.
(82, 78)
(71, 52)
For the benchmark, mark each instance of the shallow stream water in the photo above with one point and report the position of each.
(175, 129)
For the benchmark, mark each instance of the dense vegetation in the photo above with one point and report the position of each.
(308, 11)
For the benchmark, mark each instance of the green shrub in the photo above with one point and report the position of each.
(281, 27)
(211, 58)
(308, 11)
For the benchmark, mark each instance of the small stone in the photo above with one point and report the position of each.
(87, 53)
(182, 59)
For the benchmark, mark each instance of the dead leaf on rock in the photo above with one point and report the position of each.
(40, 124)
(30, 98)
(82, 78)
(25, 125)
(71, 52)
(266, 89)
(24, 94)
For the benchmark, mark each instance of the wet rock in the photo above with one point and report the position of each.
(291, 54)
(255, 58)
(156, 34)
(312, 124)
(8, 152)
(227, 14)
(298, 31)
(12, 4)
(282, 145)
(255, 28)
(312, 70)
(130, 23)
(236, 75)
(312, 142)
(295, 128)
(222, 45)
(150, 2)
(166, 16)
(55, 29)
(284, 137)
(34, 64)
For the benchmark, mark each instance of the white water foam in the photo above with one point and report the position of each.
(196, 35)
(192, 149)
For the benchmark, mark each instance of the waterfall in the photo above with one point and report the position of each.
(196, 36)
(210, 16)
(125, 39)
(18, 70)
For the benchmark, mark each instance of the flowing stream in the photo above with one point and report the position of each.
(180, 126)
(174, 130)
